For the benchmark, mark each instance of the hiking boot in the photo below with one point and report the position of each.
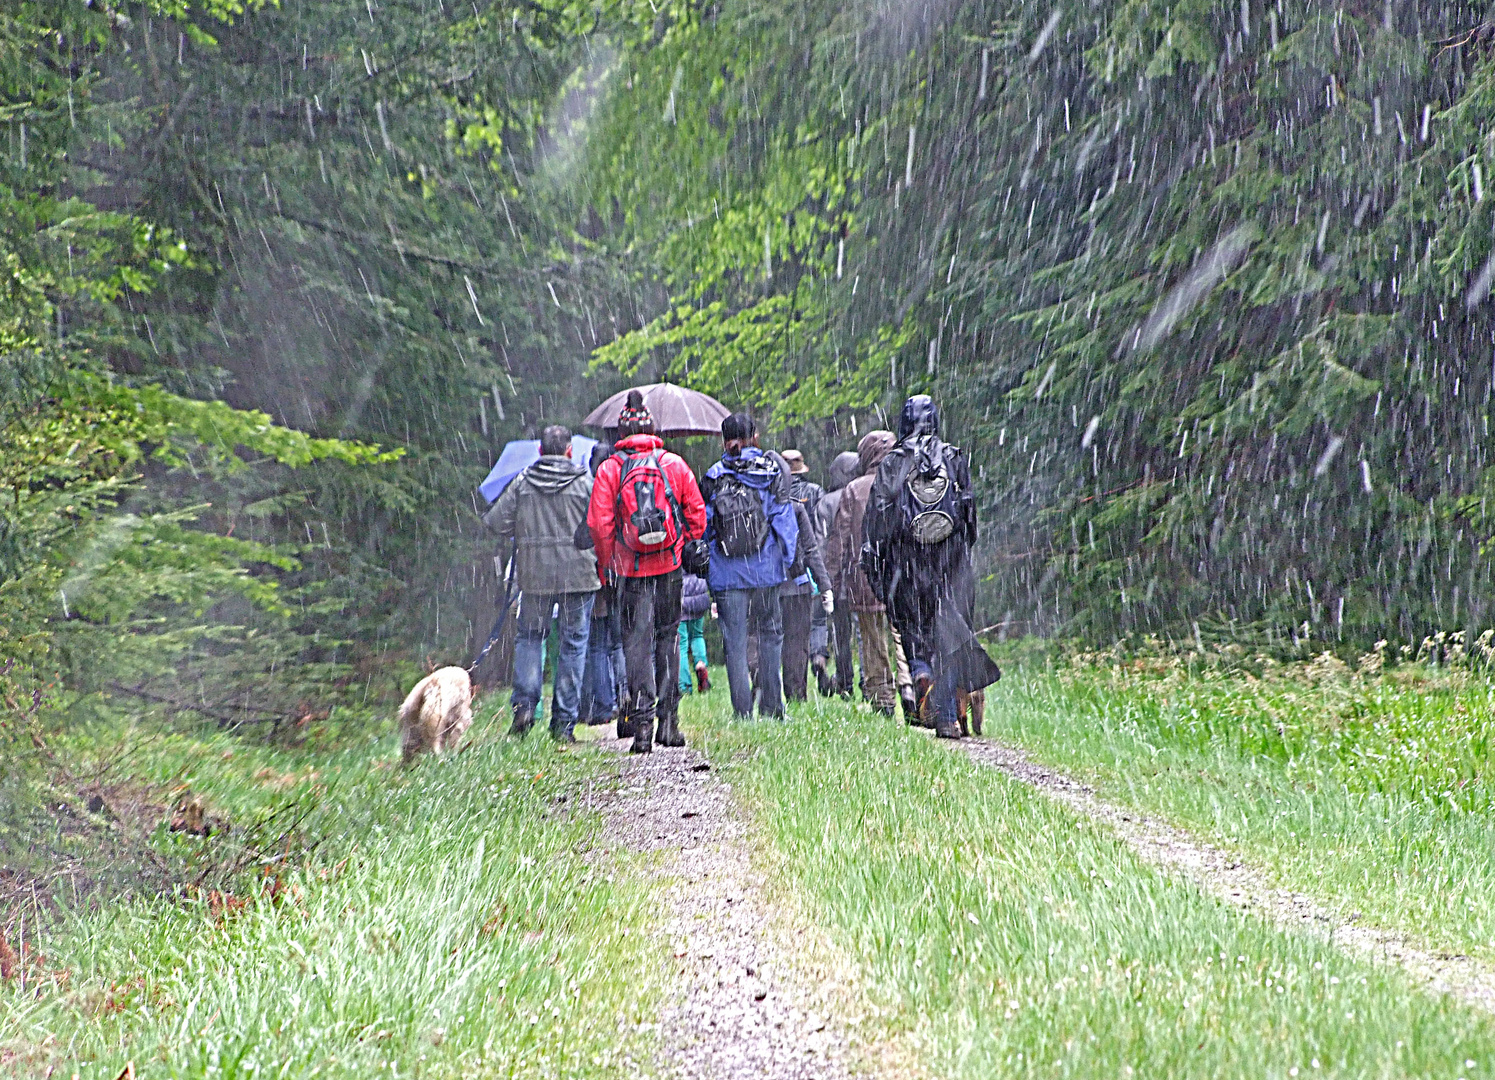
(910, 706)
(625, 726)
(703, 680)
(947, 729)
(643, 736)
(823, 678)
(524, 719)
(669, 732)
(563, 733)
(890, 711)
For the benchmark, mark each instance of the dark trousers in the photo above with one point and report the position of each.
(921, 646)
(799, 618)
(844, 634)
(650, 610)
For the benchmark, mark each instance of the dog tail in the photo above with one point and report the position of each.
(409, 722)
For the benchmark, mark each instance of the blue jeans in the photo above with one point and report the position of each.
(943, 694)
(599, 687)
(533, 626)
(692, 649)
(757, 610)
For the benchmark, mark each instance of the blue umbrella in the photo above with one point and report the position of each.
(520, 455)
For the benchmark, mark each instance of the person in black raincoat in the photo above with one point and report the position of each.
(918, 533)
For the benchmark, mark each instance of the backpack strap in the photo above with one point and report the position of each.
(669, 493)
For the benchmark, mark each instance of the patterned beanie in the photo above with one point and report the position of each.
(635, 417)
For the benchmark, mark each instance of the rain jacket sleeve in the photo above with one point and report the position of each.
(502, 515)
(809, 554)
(961, 469)
(600, 514)
(785, 526)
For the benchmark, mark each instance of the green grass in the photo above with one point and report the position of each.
(1371, 791)
(458, 919)
(454, 919)
(1014, 939)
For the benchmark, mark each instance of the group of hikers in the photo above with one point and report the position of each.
(626, 555)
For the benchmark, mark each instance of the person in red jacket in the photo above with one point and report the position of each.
(645, 507)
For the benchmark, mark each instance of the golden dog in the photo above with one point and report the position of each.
(972, 703)
(970, 710)
(436, 714)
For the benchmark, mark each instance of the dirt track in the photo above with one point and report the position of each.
(1221, 874)
(759, 994)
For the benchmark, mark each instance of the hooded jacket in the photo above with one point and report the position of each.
(813, 576)
(930, 589)
(809, 560)
(888, 550)
(541, 511)
(846, 532)
(769, 565)
(602, 514)
(845, 468)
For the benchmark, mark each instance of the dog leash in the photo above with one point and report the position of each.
(503, 613)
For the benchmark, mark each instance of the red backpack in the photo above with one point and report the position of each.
(648, 515)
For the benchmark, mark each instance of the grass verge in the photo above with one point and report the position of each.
(453, 919)
(1016, 939)
(1369, 789)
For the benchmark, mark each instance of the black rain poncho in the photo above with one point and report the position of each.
(929, 589)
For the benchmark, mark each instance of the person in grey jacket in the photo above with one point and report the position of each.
(544, 511)
(808, 593)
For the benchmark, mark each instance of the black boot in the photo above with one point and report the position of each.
(643, 735)
(524, 719)
(822, 677)
(669, 732)
(625, 724)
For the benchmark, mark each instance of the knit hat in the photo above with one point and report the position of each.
(635, 417)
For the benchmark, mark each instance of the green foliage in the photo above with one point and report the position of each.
(1202, 286)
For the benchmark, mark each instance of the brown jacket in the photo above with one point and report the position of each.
(844, 545)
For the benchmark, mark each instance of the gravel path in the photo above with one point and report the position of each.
(760, 993)
(1218, 872)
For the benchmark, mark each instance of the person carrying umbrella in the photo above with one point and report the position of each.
(645, 507)
(541, 512)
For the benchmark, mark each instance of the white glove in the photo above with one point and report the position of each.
(828, 602)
